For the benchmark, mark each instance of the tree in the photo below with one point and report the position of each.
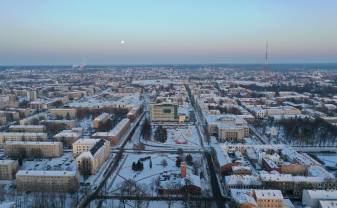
(178, 162)
(36, 153)
(160, 134)
(20, 154)
(150, 163)
(164, 163)
(134, 166)
(68, 117)
(189, 159)
(180, 151)
(137, 166)
(146, 129)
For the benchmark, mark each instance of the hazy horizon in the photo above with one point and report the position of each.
(167, 32)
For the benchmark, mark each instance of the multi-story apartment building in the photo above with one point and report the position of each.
(99, 120)
(20, 136)
(64, 112)
(47, 181)
(27, 128)
(90, 161)
(116, 133)
(34, 149)
(83, 145)
(268, 198)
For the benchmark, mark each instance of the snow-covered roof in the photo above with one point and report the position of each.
(32, 143)
(45, 173)
(7, 162)
(268, 194)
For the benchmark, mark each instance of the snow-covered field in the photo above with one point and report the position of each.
(146, 179)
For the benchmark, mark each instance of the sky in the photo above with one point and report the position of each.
(42, 32)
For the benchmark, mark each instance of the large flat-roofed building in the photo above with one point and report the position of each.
(83, 145)
(47, 181)
(8, 169)
(162, 112)
(21, 136)
(227, 127)
(90, 161)
(34, 149)
(268, 198)
(27, 128)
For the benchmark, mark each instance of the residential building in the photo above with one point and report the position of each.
(8, 169)
(47, 181)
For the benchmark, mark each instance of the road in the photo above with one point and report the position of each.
(201, 127)
(112, 166)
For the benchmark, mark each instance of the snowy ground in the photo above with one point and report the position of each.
(147, 177)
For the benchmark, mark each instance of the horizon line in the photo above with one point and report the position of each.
(170, 64)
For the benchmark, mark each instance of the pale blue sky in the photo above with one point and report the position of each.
(167, 31)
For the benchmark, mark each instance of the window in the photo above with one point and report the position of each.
(167, 110)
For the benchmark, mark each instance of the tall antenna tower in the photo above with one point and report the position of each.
(265, 70)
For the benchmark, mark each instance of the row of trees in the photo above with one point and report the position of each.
(306, 131)
(160, 134)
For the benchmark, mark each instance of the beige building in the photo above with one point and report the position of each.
(90, 161)
(268, 198)
(20, 136)
(83, 145)
(68, 137)
(63, 112)
(8, 169)
(34, 149)
(32, 119)
(47, 181)
(227, 127)
(282, 110)
(99, 120)
(69, 124)
(162, 112)
(116, 133)
(27, 128)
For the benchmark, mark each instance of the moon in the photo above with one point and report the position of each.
(122, 42)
